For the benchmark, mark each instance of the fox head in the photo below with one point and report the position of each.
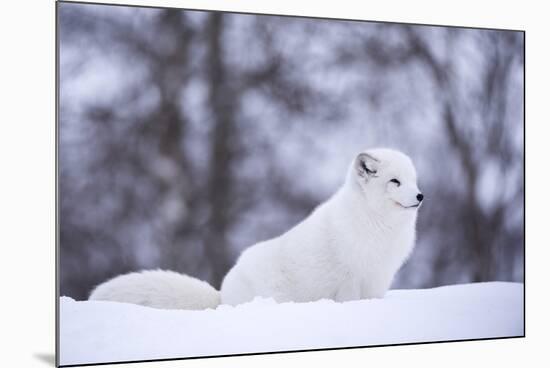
(387, 180)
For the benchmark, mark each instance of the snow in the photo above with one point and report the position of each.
(94, 331)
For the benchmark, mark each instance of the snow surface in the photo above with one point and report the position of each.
(96, 331)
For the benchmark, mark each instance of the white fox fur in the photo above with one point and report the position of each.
(158, 289)
(348, 248)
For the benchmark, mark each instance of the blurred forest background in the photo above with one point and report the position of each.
(187, 136)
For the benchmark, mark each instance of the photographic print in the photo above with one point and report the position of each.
(234, 183)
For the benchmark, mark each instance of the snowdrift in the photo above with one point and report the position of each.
(92, 332)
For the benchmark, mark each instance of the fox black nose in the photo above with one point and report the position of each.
(420, 197)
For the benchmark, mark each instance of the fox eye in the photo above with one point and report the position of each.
(396, 182)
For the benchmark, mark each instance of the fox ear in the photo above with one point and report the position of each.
(366, 165)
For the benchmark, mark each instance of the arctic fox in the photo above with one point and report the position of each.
(348, 248)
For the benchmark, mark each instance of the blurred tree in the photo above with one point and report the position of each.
(140, 140)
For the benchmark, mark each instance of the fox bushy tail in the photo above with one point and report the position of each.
(158, 289)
